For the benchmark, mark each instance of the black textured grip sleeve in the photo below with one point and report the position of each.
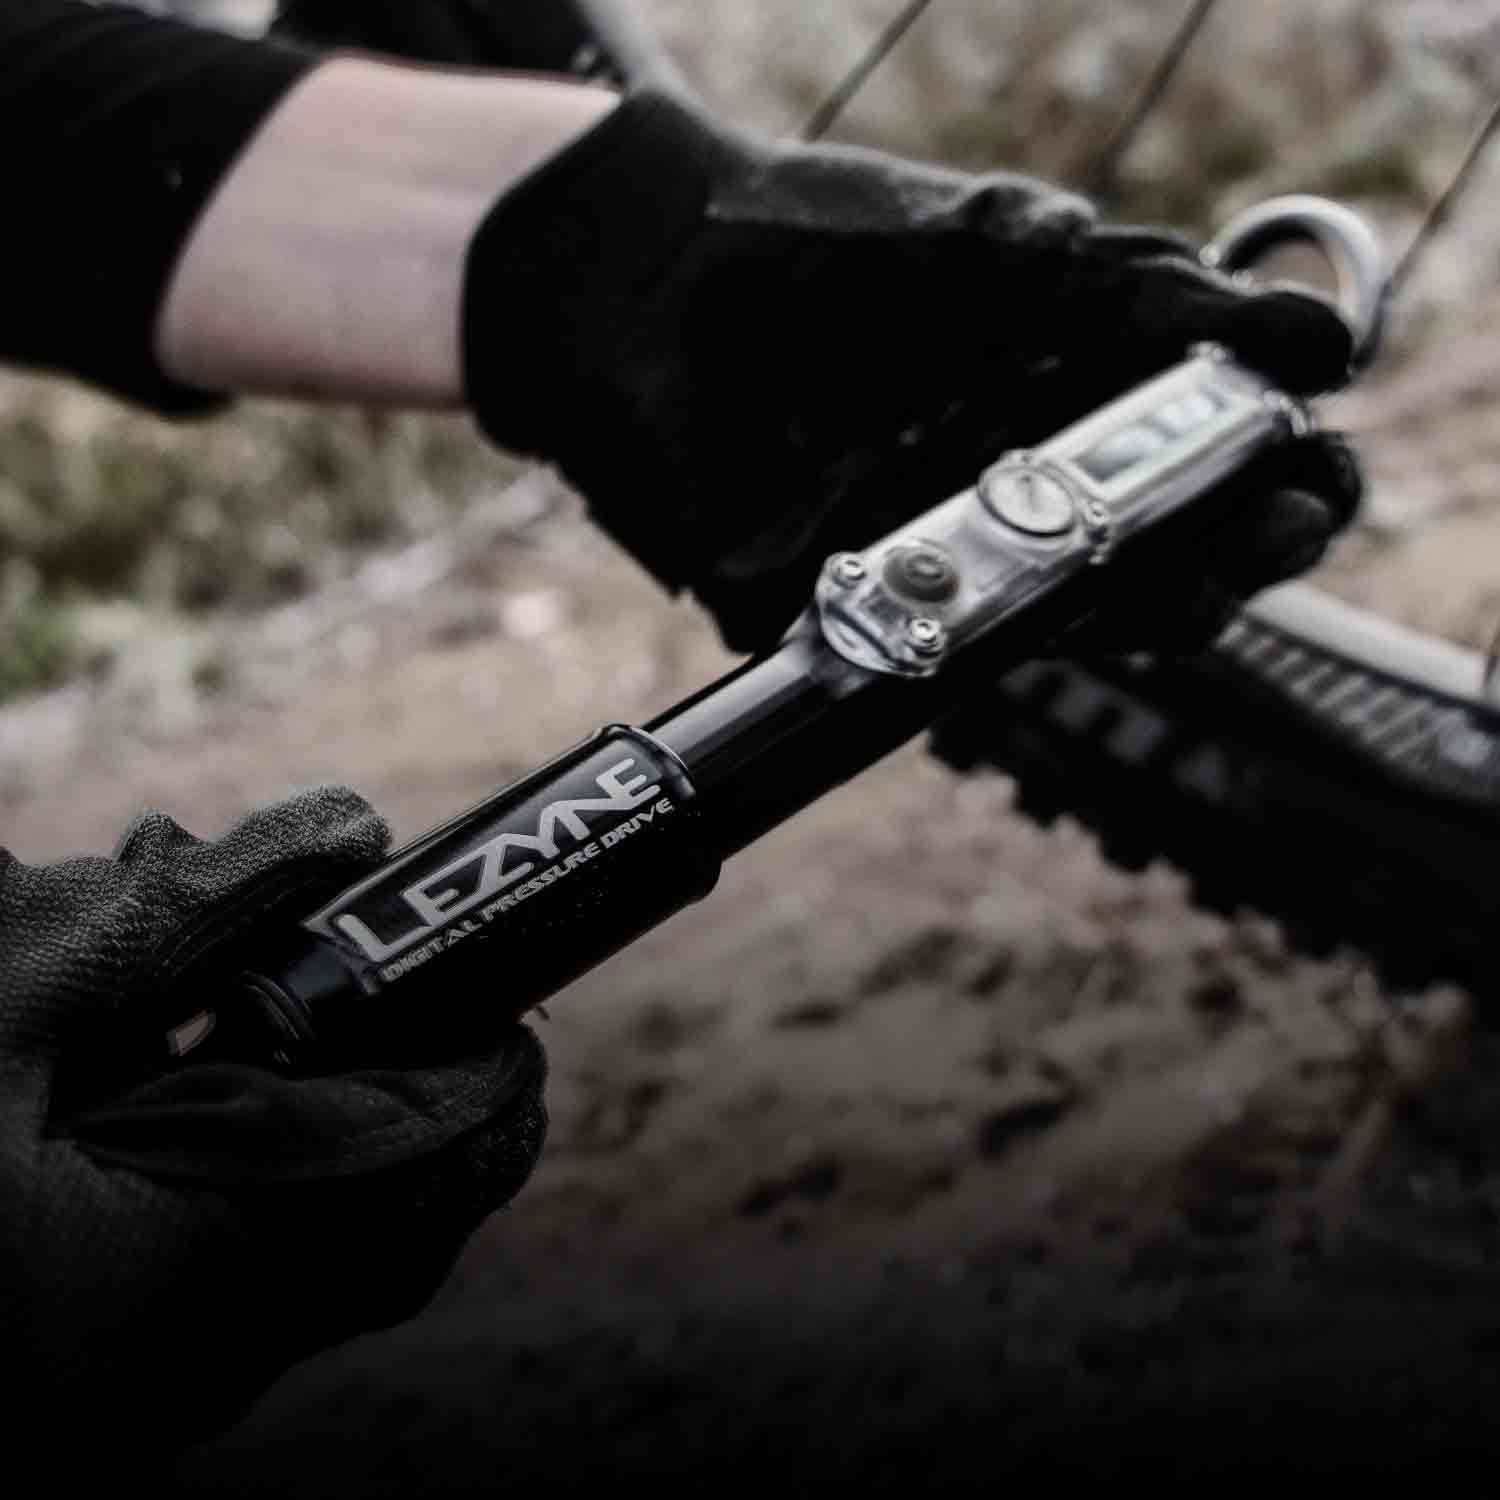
(118, 127)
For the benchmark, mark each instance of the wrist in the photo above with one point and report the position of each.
(330, 261)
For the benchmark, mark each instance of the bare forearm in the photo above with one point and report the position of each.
(329, 262)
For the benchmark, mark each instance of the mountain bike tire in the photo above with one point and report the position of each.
(1319, 766)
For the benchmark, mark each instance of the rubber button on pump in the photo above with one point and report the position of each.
(923, 573)
(1028, 500)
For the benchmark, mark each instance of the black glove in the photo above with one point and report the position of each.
(1278, 516)
(747, 358)
(171, 1242)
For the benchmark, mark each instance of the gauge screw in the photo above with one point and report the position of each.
(847, 570)
(1028, 499)
(926, 635)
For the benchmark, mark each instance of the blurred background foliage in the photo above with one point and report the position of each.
(113, 523)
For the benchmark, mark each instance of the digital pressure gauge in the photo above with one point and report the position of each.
(1040, 516)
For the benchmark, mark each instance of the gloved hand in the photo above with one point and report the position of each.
(747, 358)
(173, 1241)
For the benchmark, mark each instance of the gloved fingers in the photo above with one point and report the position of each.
(330, 820)
(1282, 535)
(1133, 242)
(1288, 533)
(145, 1271)
(385, 1241)
(213, 891)
(1178, 621)
(1283, 513)
(1166, 304)
(1297, 338)
(1322, 464)
(237, 1126)
(104, 937)
(1297, 498)
(850, 191)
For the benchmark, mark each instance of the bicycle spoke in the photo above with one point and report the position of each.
(1101, 176)
(1442, 210)
(859, 75)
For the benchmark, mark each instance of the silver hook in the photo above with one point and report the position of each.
(1352, 248)
(1489, 687)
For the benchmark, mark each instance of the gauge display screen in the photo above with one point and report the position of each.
(1150, 436)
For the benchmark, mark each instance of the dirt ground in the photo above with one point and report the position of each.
(930, 1151)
